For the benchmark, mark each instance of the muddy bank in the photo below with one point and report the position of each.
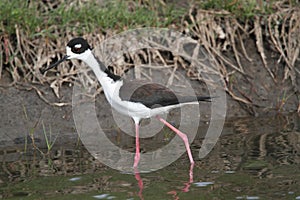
(26, 108)
(24, 113)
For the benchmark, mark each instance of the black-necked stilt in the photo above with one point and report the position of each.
(135, 98)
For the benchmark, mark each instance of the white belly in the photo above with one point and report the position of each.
(135, 110)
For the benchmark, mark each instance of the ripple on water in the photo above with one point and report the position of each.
(75, 179)
(203, 184)
(104, 196)
(248, 197)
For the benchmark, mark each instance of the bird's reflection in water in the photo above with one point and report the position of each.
(140, 182)
(186, 187)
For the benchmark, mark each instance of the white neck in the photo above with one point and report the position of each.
(92, 62)
(109, 85)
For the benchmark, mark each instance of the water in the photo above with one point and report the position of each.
(255, 158)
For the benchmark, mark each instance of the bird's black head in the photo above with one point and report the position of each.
(76, 48)
(78, 45)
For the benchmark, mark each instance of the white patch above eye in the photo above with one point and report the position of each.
(78, 46)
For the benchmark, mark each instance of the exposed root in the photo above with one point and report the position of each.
(260, 45)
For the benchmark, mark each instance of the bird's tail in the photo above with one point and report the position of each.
(205, 98)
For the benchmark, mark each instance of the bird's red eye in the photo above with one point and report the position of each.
(77, 48)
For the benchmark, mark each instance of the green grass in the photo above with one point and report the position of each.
(48, 135)
(38, 19)
(35, 18)
(244, 9)
(17, 13)
(48, 138)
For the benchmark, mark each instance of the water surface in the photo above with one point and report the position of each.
(255, 158)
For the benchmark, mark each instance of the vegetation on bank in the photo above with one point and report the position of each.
(32, 31)
(44, 18)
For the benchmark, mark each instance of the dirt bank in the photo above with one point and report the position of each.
(256, 58)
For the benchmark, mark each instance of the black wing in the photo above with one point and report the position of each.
(153, 94)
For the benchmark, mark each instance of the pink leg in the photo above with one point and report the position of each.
(137, 146)
(140, 183)
(180, 134)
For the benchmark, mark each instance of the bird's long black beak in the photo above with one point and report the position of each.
(54, 64)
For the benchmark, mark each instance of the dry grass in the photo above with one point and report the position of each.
(279, 30)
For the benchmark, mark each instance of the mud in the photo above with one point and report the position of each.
(24, 112)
